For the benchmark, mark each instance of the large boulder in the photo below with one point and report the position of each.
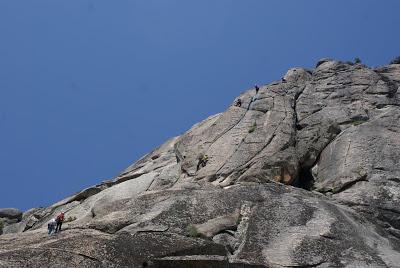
(333, 131)
(361, 167)
(11, 213)
(9, 217)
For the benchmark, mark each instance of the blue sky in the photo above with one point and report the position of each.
(87, 87)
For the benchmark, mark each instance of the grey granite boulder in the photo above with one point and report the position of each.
(332, 131)
(11, 213)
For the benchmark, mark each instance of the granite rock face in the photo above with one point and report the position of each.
(10, 213)
(9, 216)
(303, 173)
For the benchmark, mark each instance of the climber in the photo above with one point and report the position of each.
(202, 162)
(283, 80)
(255, 97)
(59, 220)
(238, 103)
(51, 226)
(205, 160)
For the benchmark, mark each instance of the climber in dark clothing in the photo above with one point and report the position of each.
(254, 98)
(238, 103)
(198, 165)
(202, 162)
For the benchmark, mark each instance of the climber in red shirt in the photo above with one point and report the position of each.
(59, 220)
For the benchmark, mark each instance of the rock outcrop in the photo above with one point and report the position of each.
(9, 216)
(303, 173)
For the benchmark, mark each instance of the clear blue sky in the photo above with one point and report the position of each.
(87, 87)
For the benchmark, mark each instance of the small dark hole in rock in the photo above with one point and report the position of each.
(230, 231)
(212, 178)
(154, 157)
(299, 127)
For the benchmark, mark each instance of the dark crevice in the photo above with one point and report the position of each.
(92, 213)
(394, 179)
(63, 251)
(154, 157)
(330, 237)
(229, 231)
(391, 85)
(384, 105)
(119, 180)
(379, 168)
(305, 179)
(310, 114)
(304, 265)
(298, 126)
(348, 185)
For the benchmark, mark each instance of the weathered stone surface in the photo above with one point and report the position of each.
(252, 141)
(226, 239)
(90, 248)
(10, 213)
(333, 131)
(392, 72)
(361, 167)
(9, 217)
(278, 226)
(217, 225)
